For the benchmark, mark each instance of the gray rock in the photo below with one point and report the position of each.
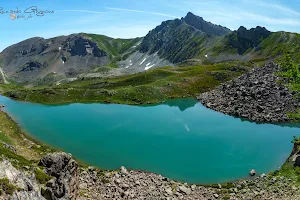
(64, 169)
(8, 146)
(252, 172)
(184, 190)
(123, 170)
(297, 161)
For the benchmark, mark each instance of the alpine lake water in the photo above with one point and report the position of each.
(179, 139)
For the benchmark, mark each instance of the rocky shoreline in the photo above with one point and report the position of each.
(64, 179)
(256, 95)
(69, 181)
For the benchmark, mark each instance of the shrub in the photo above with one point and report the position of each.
(290, 69)
(6, 187)
(41, 177)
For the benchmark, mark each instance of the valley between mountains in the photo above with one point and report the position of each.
(251, 74)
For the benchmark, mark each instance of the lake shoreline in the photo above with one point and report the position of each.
(135, 183)
(139, 182)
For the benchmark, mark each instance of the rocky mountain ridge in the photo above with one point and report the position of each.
(39, 61)
(181, 39)
(244, 39)
(206, 27)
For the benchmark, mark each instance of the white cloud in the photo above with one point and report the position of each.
(141, 11)
(269, 20)
(281, 8)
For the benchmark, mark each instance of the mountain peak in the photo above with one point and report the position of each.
(243, 39)
(254, 32)
(192, 16)
(204, 26)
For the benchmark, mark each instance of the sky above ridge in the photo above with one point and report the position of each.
(133, 18)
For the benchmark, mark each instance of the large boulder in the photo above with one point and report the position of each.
(64, 169)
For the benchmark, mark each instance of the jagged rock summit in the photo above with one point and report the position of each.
(204, 26)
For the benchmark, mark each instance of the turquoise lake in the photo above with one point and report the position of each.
(180, 139)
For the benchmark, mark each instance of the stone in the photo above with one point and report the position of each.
(297, 161)
(252, 172)
(8, 146)
(193, 187)
(184, 190)
(169, 191)
(61, 166)
(117, 181)
(91, 169)
(123, 170)
(262, 175)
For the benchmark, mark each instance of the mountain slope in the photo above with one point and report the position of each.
(190, 40)
(254, 44)
(116, 48)
(181, 39)
(59, 57)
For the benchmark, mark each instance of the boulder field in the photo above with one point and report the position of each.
(257, 95)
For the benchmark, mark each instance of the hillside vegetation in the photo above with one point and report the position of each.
(153, 86)
(116, 48)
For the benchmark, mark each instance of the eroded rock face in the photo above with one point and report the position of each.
(243, 39)
(35, 58)
(80, 46)
(181, 39)
(29, 188)
(64, 170)
(205, 26)
(256, 95)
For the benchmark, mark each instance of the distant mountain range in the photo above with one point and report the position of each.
(191, 40)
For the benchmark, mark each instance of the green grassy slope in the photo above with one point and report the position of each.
(116, 48)
(271, 47)
(153, 86)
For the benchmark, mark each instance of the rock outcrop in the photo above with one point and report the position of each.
(64, 170)
(295, 155)
(28, 187)
(256, 95)
(244, 39)
(204, 26)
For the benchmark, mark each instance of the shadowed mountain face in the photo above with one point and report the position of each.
(243, 39)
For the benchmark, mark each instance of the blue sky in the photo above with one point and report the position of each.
(134, 18)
